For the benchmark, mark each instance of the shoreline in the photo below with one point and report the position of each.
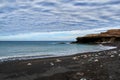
(100, 65)
(32, 57)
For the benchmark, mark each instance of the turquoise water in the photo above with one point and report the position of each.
(42, 49)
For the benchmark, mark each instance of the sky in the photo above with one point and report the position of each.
(44, 20)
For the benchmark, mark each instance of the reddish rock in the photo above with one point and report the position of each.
(105, 37)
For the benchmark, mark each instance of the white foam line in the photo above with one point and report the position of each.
(26, 57)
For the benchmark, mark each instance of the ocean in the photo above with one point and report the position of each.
(12, 50)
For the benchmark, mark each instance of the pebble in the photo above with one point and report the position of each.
(88, 70)
(96, 60)
(79, 73)
(118, 54)
(58, 60)
(101, 65)
(110, 77)
(112, 56)
(96, 55)
(85, 56)
(91, 59)
(109, 53)
(78, 56)
(99, 53)
(29, 64)
(52, 64)
(83, 63)
(83, 79)
(75, 58)
(89, 55)
(115, 52)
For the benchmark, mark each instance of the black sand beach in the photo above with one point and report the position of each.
(102, 65)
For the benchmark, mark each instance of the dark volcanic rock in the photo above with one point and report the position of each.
(105, 37)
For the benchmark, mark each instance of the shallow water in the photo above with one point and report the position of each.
(42, 49)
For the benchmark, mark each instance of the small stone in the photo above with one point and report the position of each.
(83, 63)
(52, 64)
(101, 65)
(78, 56)
(109, 53)
(83, 79)
(96, 55)
(110, 77)
(89, 55)
(112, 56)
(90, 60)
(118, 54)
(85, 56)
(96, 60)
(115, 52)
(58, 60)
(29, 64)
(99, 53)
(75, 58)
(80, 73)
(88, 70)
(81, 55)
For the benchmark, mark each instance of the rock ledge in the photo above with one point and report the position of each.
(110, 36)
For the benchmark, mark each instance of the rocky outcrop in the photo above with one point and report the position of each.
(105, 37)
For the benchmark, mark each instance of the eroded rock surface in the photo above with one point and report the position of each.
(105, 37)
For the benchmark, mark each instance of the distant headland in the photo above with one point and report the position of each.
(110, 36)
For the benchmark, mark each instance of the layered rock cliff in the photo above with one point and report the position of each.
(105, 37)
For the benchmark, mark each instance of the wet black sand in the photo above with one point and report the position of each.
(102, 65)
